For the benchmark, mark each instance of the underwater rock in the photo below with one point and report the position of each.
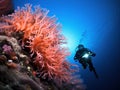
(6, 7)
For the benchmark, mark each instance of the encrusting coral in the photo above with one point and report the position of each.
(41, 37)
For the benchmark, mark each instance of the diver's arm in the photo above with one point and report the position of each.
(91, 53)
(75, 57)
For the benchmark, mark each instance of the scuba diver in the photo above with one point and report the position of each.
(83, 55)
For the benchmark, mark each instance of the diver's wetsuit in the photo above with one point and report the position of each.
(85, 61)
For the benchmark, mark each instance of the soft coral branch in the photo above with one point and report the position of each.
(44, 39)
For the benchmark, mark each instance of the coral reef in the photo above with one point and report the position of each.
(30, 44)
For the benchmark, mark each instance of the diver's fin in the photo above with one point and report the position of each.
(96, 75)
(94, 71)
(91, 68)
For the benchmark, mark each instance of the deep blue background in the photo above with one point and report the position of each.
(96, 24)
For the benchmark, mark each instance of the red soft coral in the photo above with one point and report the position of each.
(45, 39)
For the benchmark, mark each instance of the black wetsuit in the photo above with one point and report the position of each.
(85, 61)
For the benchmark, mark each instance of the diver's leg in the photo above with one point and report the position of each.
(91, 68)
(90, 65)
(84, 64)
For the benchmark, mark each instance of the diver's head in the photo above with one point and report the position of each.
(80, 46)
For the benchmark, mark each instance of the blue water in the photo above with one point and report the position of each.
(96, 24)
